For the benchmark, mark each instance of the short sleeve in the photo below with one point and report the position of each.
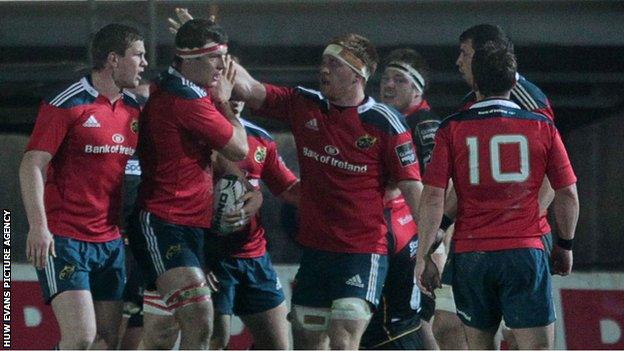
(439, 169)
(559, 171)
(401, 158)
(51, 127)
(275, 174)
(201, 118)
(278, 103)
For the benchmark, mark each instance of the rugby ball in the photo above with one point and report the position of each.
(227, 193)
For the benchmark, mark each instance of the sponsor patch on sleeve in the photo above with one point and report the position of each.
(426, 131)
(406, 154)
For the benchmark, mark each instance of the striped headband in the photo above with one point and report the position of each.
(209, 48)
(348, 58)
(411, 72)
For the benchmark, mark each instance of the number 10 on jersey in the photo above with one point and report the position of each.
(495, 160)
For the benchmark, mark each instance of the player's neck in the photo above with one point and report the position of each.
(483, 97)
(351, 98)
(413, 106)
(105, 85)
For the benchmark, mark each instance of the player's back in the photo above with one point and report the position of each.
(499, 156)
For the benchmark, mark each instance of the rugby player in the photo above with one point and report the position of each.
(71, 178)
(187, 115)
(402, 319)
(349, 148)
(447, 326)
(498, 155)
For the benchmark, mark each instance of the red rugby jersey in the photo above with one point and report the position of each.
(531, 98)
(179, 128)
(498, 155)
(423, 124)
(346, 158)
(262, 163)
(90, 140)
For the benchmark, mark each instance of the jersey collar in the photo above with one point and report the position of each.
(370, 102)
(86, 83)
(493, 102)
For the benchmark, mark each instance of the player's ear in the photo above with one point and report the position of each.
(113, 59)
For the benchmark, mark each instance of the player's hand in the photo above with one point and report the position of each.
(252, 201)
(213, 282)
(223, 90)
(427, 276)
(561, 261)
(39, 245)
(183, 17)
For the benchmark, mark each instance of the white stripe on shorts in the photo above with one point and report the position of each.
(152, 243)
(372, 278)
(50, 275)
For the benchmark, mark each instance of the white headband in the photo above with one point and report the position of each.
(348, 58)
(211, 47)
(411, 72)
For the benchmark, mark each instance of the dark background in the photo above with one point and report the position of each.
(573, 50)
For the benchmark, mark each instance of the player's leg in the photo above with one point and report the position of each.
(221, 331)
(160, 328)
(65, 285)
(427, 310)
(345, 334)
(75, 315)
(107, 282)
(309, 327)
(356, 283)
(475, 281)
(447, 328)
(480, 339)
(260, 302)
(108, 315)
(269, 328)
(172, 256)
(132, 323)
(539, 338)
(311, 306)
(527, 301)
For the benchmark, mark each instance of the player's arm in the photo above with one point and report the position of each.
(236, 148)
(412, 191)
(280, 180)
(292, 195)
(430, 214)
(32, 179)
(248, 89)
(566, 204)
(546, 196)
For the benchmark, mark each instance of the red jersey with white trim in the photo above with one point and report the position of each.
(531, 98)
(347, 155)
(498, 155)
(180, 127)
(90, 141)
(262, 163)
(423, 124)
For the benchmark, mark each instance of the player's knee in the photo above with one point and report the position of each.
(160, 338)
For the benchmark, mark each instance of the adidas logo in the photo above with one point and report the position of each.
(355, 281)
(312, 124)
(91, 122)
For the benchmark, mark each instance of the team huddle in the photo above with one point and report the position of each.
(417, 232)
